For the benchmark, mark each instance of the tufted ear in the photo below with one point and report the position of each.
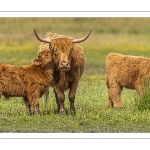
(37, 62)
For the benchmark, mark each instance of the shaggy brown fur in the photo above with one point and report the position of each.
(69, 60)
(125, 71)
(29, 81)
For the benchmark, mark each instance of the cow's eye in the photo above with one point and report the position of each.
(46, 54)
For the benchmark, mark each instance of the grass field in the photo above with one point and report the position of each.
(18, 46)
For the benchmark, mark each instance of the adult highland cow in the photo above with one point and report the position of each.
(125, 71)
(69, 61)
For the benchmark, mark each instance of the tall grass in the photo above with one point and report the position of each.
(143, 101)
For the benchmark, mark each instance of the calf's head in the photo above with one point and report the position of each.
(62, 49)
(44, 59)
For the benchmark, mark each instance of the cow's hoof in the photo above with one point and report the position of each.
(61, 112)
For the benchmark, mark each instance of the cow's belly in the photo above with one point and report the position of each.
(127, 83)
(13, 90)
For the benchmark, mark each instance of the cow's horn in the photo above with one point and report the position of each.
(82, 39)
(41, 39)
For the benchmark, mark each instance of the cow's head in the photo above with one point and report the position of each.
(62, 49)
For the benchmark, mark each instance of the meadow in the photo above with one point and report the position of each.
(18, 46)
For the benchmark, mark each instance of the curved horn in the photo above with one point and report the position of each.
(82, 39)
(41, 39)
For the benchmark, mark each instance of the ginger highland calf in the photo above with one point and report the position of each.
(29, 81)
(125, 71)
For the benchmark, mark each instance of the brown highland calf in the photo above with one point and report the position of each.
(69, 61)
(125, 71)
(29, 81)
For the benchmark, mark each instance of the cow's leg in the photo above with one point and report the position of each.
(33, 101)
(46, 97)
(33, 97)
(141, 87)
(71, 99)
(35, 104)
(36, 107)
(71, 96)
(60, 98)
(109, 102)
(6, 97)
(1, 90)
(56, 99)
(139, 91)
(114, 96)
(28, 106)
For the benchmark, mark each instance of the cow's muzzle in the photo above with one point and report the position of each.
(64, 65)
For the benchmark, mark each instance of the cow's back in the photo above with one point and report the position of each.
(80, 56)
(126, 70)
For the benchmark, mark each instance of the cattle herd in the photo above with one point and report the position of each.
(60, 64)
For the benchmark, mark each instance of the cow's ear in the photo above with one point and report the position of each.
(37, 62)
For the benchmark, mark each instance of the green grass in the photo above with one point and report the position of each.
(18, 46)
(92, 116)
(143, 101)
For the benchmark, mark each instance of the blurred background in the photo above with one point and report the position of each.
(19, 46)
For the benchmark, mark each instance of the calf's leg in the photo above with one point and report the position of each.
(28, 106)
(33, 101)
(114, 96)
(36, 107)
(46, 97)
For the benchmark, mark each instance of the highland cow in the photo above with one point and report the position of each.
(125, 71)
(28, 81)
(69, 61)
